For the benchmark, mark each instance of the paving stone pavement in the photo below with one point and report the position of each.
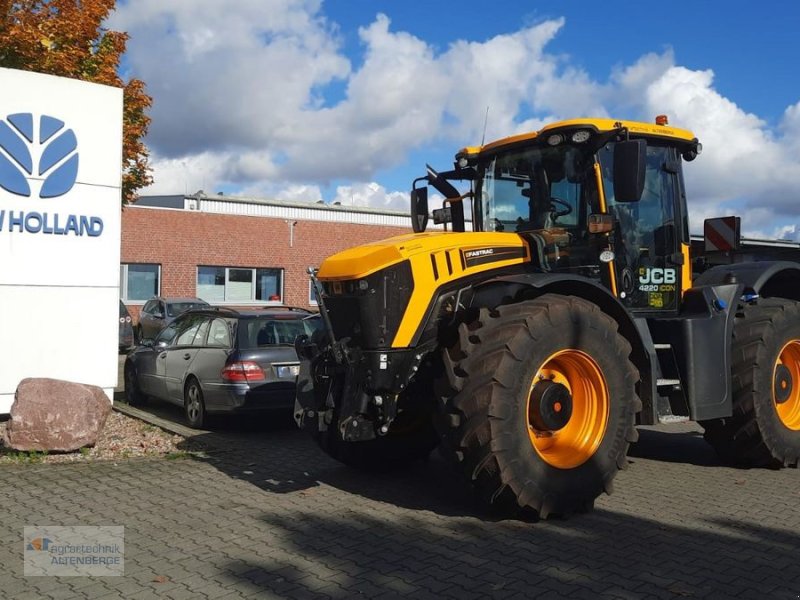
(265, 514)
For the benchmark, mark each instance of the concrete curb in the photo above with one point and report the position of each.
(152, 419)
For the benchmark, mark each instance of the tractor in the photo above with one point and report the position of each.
(550, 309)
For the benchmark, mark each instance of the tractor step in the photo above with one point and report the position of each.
(669, 419)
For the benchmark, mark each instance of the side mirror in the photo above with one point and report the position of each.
(442, 216)
(629, 170)
(419, 209)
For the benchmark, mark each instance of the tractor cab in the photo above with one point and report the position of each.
(596, 198)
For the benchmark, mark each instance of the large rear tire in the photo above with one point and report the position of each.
(542, 404)
(764, 429)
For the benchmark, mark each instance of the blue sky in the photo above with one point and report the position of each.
(751, 51)
(347, 100)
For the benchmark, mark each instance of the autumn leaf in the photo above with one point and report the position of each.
(67, 38)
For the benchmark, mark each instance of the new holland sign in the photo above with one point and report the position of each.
(60, 181)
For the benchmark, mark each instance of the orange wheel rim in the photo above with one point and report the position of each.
(576, 442)
(786, 386)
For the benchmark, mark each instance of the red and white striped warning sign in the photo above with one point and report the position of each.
(722, 234)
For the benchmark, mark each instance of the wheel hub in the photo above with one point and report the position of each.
(783, 384)
(549, 406)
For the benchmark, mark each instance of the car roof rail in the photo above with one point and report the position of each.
(213, 309)
(285, 307)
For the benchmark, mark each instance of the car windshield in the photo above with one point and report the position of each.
(176, 308)
(533, 188)
(269, 331)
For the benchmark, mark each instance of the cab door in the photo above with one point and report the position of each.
(647, 235)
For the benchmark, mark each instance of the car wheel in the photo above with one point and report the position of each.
(193, 404)
(133, 394)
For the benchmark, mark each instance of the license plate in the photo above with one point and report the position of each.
(288, 371)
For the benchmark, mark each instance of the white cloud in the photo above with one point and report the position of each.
(240, 103)
(371, 194)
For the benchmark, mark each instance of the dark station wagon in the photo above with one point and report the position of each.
(219, 360)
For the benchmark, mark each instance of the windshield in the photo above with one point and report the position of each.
(535, 188)
(269, 331)
(176, 308)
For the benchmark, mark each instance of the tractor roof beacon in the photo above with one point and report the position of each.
(531, 346)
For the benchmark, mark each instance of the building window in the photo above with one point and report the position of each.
(139, 282)
(312, 297)
(237, 285)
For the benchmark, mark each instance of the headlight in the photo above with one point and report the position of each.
(581, 136)
(555, 139)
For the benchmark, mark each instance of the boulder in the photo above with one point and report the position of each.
(56, 416)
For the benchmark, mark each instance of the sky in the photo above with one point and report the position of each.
(347, 100)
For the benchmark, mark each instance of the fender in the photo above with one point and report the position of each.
(530, 285)
(769, 278)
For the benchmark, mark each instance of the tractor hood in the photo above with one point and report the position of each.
(472, 249)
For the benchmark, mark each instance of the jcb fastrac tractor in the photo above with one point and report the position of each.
(530, 347)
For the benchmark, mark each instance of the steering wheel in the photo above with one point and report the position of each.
(566, 207)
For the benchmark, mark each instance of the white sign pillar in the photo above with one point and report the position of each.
(60, 185)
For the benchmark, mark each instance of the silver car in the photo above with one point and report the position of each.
(158, 312)
(219, 360)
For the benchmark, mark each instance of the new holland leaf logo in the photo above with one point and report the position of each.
(52, 155)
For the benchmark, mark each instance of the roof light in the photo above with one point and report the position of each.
(662, 120)
(581, 136)
(555, 139)
(462, 162)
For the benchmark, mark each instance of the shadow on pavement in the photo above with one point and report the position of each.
(418, 533)
(603, 555)
(686, 447)
(277, 457)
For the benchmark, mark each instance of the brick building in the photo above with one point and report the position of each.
(234, 251)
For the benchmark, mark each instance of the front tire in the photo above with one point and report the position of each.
(542, 405)
(764, 429)
(133, 394)
(194, 405)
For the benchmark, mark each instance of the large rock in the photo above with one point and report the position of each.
(53, 415)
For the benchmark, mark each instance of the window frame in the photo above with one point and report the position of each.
(312, 297)
(253, 286)
(123, 283)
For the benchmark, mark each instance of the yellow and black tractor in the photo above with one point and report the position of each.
(553, 310)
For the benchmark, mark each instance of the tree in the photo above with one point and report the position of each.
(67, 38)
